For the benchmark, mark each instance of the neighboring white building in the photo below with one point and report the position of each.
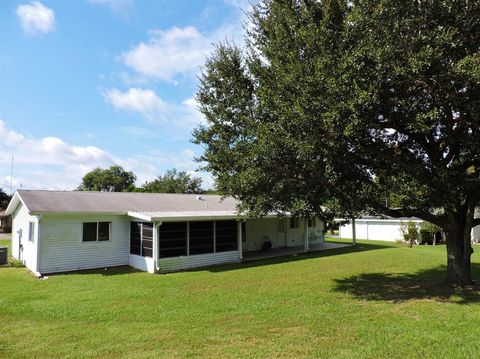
(476, 234)
(381, 229)
(58, 231)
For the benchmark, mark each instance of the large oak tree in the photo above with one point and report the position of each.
(341, 101)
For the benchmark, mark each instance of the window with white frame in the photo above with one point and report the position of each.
(96, 231)
(31, 231)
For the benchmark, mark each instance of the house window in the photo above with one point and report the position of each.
(96, 231)
(141, 239)
(31, 231)
(294, 222)
(281, 225)
(201, 237)
(312, 222)
(135, 238)
(173, 239)
(226, 233)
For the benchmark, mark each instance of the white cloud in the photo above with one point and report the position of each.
(51, 163)
(143, 101)
(242, 4)
(36, 18)
(168, 53)
(121, 7)
(154, 109)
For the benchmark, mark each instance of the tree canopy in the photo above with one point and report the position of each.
(113, 179)
(4, 199)
(341, 102)
(116, 179)
(174, 181)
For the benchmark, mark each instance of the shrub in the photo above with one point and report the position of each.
(410, 233)
(428, 231)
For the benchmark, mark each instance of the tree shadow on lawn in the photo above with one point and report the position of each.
(262, 262)
(122, 270)
(402, 287)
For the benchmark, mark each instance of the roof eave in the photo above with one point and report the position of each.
(13, 204)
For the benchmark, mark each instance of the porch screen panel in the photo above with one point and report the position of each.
(226, 236)
(147, 239)
(135, 230)
(201, 237)
(173, 239)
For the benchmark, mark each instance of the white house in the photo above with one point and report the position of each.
(382, 229)
(476, 234)
(57, 231)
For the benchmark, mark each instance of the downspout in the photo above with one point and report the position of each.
(156, 242)
(37, 247)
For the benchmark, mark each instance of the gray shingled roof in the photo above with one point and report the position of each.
(121, 202)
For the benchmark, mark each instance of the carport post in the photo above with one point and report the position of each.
(354, 232)
(305, 234)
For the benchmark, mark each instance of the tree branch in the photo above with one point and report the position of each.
(439, 220)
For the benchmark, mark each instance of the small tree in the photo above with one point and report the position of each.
(113, 179)
(174, 181)
(410, 232)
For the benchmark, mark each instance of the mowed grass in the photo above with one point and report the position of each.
(376, 300)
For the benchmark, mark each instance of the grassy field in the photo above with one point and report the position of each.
(376, 300)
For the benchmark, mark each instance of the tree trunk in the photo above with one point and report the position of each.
(459, 249)
(458, 259)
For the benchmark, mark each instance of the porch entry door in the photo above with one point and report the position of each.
(281, 233)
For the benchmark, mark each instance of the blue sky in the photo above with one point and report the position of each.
(90, 83)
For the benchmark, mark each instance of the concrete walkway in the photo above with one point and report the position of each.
(5, 235)
(286, 251)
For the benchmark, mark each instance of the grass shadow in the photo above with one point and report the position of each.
(401, 287)
(293, 258)
(106, 271)
(120, 270)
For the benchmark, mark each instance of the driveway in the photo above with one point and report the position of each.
(5, 235)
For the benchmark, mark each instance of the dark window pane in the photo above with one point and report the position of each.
(294, 222)
(135, 238)
(173, 239)
(201, 237)
(147, 239)
(104, 231)
(226, 236)
(90, 232)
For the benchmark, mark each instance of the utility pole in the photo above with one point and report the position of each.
(11, 178)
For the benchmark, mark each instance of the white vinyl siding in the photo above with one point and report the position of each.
(62, 247)
(200, 260)
(21, 220)
(376, 229)
(145, 264)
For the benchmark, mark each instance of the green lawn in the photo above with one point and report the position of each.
(376, 300)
